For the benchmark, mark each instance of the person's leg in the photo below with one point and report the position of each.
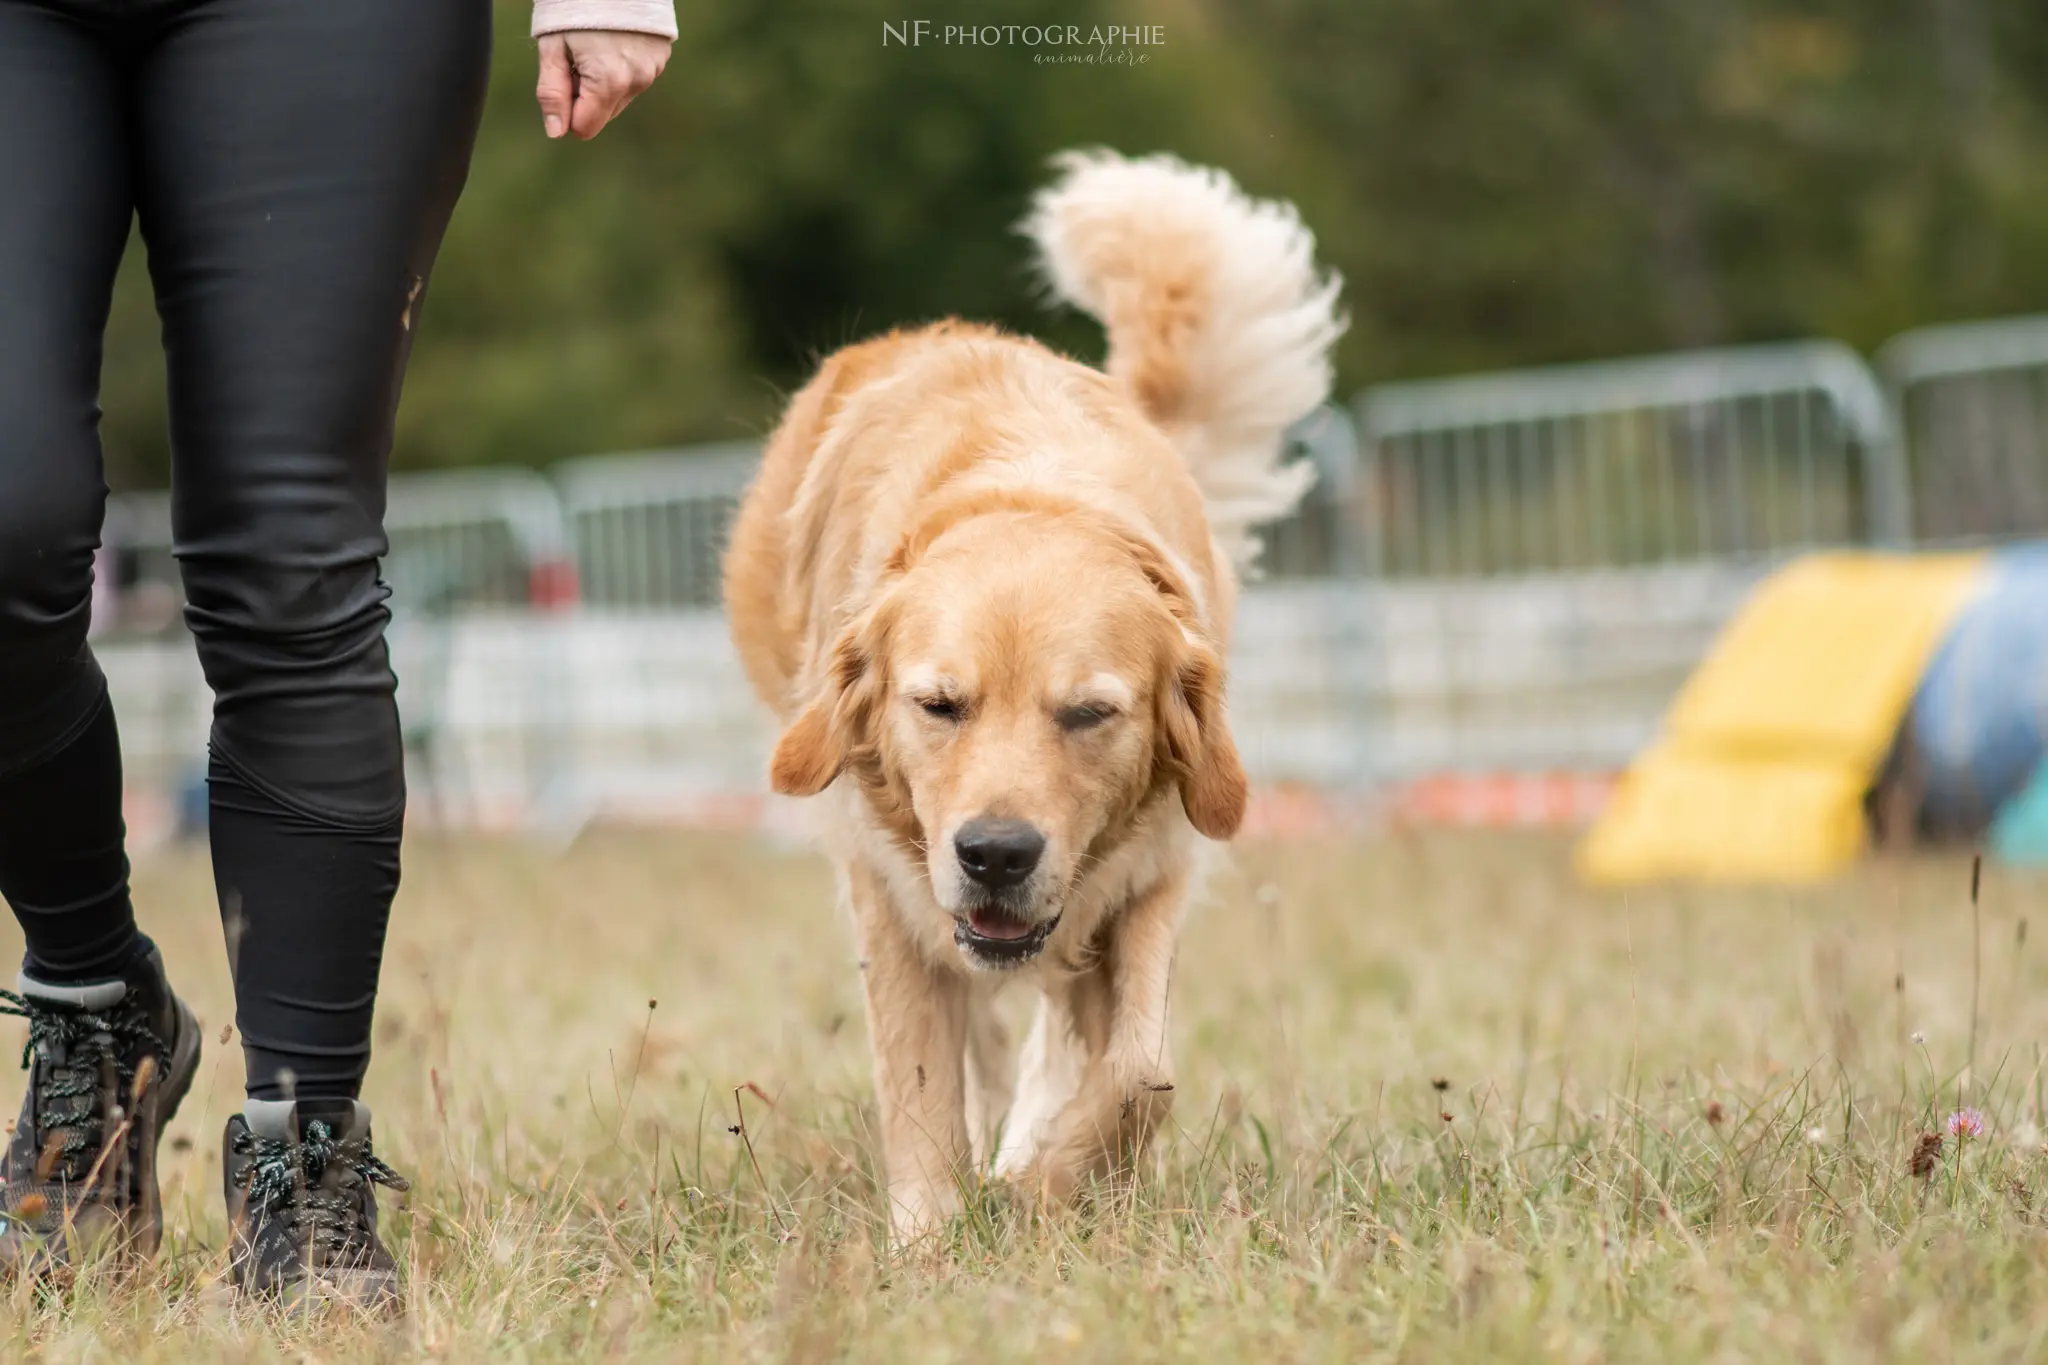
(297, 164)
(63, 157)
(63, 858)
(111, 1051)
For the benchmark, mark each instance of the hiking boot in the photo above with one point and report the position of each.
(108, 1063)
(302, 1203)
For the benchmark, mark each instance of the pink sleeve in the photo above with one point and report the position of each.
(625, 16)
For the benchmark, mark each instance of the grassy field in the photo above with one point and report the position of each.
(1436, 1103)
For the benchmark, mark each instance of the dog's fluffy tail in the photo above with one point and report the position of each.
(1219, 321)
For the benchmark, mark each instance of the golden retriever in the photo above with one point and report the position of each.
(988, 591)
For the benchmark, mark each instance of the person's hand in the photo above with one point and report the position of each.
(588, 76)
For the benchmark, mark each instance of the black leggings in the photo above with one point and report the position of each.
(293, 164)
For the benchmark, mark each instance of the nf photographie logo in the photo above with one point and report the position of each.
(1048, 44)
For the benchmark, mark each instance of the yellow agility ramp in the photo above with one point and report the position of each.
(1764, 758)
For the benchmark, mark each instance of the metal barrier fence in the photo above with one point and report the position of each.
(461, 543)
(1709, 455)
(1532, 562)
(649, 529)
(460, 540)
(1503, 573)
(1974, 402)
(1320, 539)
(472, 539)
(1546, 553)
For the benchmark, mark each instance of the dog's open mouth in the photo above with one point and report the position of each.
(1000, 938)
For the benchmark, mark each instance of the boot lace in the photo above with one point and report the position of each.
(68, 1094)
(286, 1183)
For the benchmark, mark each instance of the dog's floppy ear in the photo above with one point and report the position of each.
(823, 740)
(809, 754)
(1198, 749)
(1195, 746)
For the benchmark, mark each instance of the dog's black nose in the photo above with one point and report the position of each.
(998, 854)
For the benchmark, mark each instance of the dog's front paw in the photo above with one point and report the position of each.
(1099, 1133)
(918, 1214)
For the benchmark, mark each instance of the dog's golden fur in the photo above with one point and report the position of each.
(978, 580)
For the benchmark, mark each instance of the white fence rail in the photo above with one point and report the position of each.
(553, 717)
(1974, 400)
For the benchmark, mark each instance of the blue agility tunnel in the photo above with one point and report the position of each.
(1978, 726)
(2020, 833)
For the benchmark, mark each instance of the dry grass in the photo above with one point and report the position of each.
(1436, 1102)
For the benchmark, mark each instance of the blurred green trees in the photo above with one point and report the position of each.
(1512, 182)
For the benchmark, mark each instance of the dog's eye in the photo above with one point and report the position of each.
(941, 708)
(1083, 717)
